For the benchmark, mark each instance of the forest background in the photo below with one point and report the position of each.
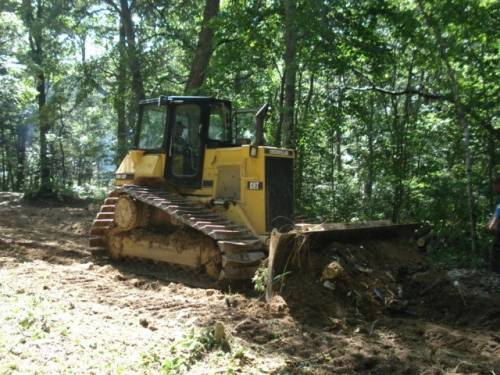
(392, 105)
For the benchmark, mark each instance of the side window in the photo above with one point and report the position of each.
(185, 145)
(153, 125)
(219, 128)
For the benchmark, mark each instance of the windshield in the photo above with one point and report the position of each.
(153, 126)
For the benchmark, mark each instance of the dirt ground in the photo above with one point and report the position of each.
(64, 310)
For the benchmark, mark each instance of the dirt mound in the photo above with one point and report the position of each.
(365, 280)
(54, 199)
(461, 297)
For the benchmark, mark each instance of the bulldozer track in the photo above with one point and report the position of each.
(241, 251)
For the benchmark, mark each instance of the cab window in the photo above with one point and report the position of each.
(153, 125)
(219, 128)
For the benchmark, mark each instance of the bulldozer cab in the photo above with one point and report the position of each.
(182, 128)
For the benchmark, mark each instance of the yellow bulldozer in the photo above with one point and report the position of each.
(200, 190)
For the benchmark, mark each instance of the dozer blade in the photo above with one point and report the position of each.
(290, 250)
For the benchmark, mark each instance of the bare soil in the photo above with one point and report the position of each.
(65, 310)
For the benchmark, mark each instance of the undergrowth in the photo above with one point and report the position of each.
(68, 194)
(450, 248)
(260, 277)
(191, 349)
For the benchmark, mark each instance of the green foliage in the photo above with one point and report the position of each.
(449, 248)
(260, 279)
(376, 127)
(191, 349)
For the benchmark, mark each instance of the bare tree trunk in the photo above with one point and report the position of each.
(289, 74)
(370, 157)
(125, 12)
(62, 135)
(300, 149)
(21, 156)
(37, 55)
(44, 126)
(279, 127)
(400, 157)
(298, 97)
(338, 132)
(3, 156)
(492, 160)
(204, 49)
(461, 119)
(119, 100)
(336, 145)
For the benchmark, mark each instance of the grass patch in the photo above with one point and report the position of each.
(191, 349)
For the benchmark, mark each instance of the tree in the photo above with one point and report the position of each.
(290, 41)
(127, 27)
(43, 22)
(204, 48)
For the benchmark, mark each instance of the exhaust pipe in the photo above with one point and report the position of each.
(259, 124)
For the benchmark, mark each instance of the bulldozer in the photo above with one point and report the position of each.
(201, 190)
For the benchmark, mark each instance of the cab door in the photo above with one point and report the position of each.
(186, 146)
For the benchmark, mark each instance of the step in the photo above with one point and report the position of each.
(103, 222)
(110, 200)
(108, 208)
(105, 215)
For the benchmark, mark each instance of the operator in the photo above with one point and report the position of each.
(494, 228)
(182, 147)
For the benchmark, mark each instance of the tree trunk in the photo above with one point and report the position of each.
(134, 66)
(300, 149)
(492, 161)
(61, 136)
(204, 49)
(279, 127)
(21, 156)
(37, 55)
(338, 132)
(461, 119)
(289, 74)
(370, 157)
(3, 157)
(119, 100)
(45, 175)
(400, 157)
